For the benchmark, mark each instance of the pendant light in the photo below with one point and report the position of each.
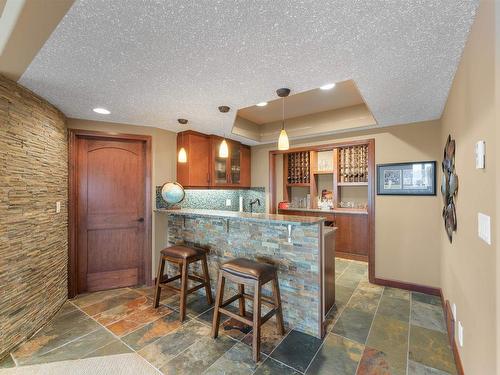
(283, 143)
(182, 157)
(223, 148)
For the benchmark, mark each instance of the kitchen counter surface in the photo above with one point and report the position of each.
(245, 216)
(354, 211)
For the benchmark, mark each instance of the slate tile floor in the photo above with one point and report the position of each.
(372, 330)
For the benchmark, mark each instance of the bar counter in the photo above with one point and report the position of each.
(294, 244)
(245, 216)
(352, 211)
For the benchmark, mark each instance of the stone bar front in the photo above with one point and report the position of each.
(293, 243)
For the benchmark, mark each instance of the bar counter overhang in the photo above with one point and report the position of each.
(294, 244)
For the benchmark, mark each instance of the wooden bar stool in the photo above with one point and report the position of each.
(248, 272)
(183, 256)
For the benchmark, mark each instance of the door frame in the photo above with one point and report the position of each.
(73, 136)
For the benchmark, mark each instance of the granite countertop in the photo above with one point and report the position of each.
(355, 211)
(246, 216)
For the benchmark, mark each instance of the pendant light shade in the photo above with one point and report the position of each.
(223, 148)
(283, 143)
(182, 156)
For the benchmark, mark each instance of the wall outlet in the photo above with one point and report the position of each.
(460, 334)
(58, 207)
(228, 202)
(484, 227)
(454, 311)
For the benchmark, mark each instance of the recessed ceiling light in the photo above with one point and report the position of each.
(261, 104)
(328, 86)
(101, 111)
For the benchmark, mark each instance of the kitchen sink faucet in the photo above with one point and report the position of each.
(256, 200)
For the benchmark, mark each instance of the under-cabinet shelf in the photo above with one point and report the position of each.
(352, 183)
(323, 172)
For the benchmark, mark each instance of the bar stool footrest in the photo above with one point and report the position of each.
(196, 278)
(193, 289)
(169, 280)
(265, 300)
(236, 316)
(231, 300)
(268, 316)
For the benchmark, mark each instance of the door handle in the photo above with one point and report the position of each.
(141, 219)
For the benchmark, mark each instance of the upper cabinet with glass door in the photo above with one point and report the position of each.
(235, 165)
(218, 165)
(229, 171)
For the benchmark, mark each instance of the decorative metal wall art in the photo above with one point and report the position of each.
(449, 188)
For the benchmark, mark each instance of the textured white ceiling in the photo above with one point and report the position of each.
(150, 62)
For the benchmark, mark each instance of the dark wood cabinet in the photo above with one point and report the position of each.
(352, 236)
(329, 245)
(246, 164)
(195, 172)
(204, 167)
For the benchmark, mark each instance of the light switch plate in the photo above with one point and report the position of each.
(460, 334)
(228, 202)
(484, 227)
(58, 207)
(480, 150)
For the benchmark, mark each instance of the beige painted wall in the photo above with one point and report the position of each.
(496, 224)
(468, 267)
(163, 163)
(407, 229)
(26, 25)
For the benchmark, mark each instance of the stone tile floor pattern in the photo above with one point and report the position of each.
(371, 330)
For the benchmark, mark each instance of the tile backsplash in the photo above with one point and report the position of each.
(216, 199)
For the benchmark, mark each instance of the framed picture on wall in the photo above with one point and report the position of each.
(413, 178)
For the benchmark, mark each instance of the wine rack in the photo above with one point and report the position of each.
(353, 164)
(298, 168)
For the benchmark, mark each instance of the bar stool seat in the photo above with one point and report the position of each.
(250, 269)
(184, 252)
(183, 256)
(255, 274)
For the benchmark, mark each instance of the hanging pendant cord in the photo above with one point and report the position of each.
(283, 107)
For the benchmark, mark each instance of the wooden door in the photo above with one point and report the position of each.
(111, 182)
